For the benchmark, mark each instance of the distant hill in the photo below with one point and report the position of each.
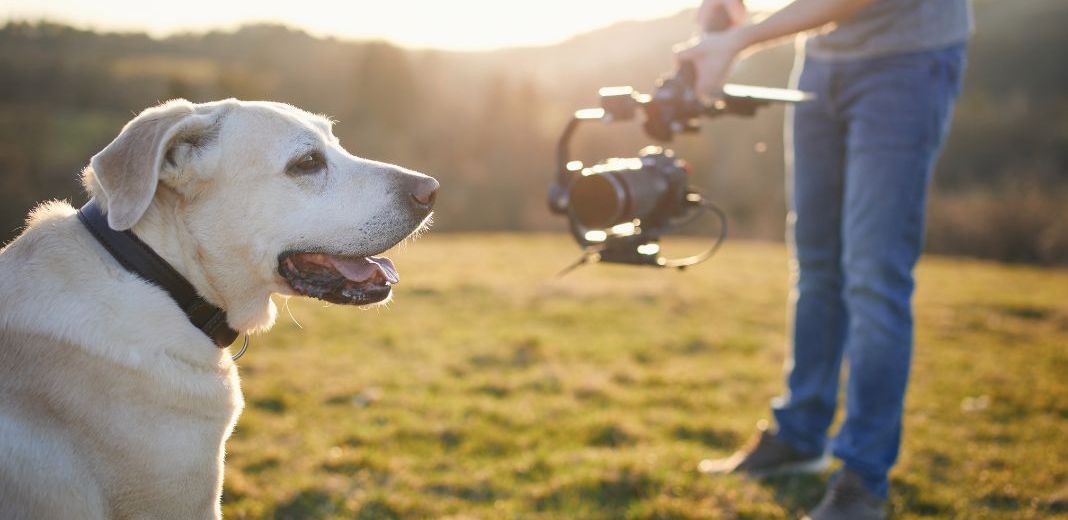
(485, 123)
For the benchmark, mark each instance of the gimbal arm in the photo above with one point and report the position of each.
(558, 189)
(673, 108)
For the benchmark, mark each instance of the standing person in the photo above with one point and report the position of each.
(886, 74)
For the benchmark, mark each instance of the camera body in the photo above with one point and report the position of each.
(624, 205)
(649, 188)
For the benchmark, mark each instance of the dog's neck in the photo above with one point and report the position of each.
(247, 304)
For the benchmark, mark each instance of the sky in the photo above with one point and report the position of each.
(447, 24)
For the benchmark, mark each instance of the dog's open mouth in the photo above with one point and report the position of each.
(352, 280)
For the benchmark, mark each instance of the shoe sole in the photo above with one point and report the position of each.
(807, 467)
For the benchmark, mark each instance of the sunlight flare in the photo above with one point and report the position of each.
(457, 25)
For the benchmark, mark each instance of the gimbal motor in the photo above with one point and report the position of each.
(618, 209)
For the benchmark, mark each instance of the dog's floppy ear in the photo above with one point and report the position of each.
(157, 142)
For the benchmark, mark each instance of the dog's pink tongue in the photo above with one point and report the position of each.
(364, 269)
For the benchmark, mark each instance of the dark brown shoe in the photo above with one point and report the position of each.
(765, 456)
(848, 499)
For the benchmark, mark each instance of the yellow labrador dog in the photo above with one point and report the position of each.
(116, 390)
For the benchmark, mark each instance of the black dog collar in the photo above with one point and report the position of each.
(141, 260)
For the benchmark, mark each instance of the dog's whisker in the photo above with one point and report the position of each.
(289, 311)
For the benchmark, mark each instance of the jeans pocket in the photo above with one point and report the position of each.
(949, 67)
(947, 74)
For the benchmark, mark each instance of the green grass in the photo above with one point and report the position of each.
(491, 389)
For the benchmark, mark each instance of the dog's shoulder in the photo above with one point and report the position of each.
(46, 222)
(45, 263)
(49, 211)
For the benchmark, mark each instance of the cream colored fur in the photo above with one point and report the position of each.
(112, 405)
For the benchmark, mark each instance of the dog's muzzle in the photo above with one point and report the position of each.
(349, 280)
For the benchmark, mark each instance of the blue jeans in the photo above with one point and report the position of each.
(863, 153)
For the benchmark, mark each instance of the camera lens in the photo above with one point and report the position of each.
(598, 201)
(650, 188)
(616, 193)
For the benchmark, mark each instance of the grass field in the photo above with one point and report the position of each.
(490, 389)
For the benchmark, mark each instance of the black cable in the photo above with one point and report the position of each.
(589, 255)
(683, 263)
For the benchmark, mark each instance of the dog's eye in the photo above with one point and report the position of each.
(310, 162)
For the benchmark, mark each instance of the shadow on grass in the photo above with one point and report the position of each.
(711, 437)
(909, 497)
(314, 503)
(262, 465)
(611, 435)
(478, 492)
(378, 510)
(799, 493)
(610, 494)
(276, 405)
(309, 503)
(796, 493)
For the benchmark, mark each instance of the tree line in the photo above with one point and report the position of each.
(485, 123)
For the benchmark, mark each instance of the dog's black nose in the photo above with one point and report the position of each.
(424, 192)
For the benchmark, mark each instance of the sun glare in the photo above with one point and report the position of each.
(457, 24)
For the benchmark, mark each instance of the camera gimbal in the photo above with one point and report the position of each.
(618, 209)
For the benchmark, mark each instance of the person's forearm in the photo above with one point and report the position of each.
(799, 16)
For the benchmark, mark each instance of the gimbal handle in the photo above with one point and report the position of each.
(621, 104)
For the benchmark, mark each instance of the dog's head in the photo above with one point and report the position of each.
(260, 194)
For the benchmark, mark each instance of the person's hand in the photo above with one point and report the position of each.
(717, 15)
(713, 55)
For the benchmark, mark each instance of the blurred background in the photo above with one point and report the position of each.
(491, 389)
(476, 94)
